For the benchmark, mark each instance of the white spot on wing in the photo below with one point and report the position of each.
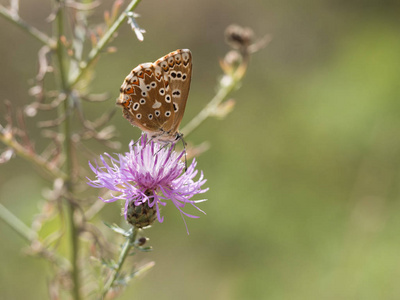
(147, 65)
(156, 104)
(185, 56)
(142, 84)
(158, 71)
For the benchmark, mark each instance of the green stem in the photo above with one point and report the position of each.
(30, 236)
(67, 147)
(223, 92)
(11, 220)
(130, 239)
(37, 34)
(32, 157)
(94, 53)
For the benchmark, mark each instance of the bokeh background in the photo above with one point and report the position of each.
(303, 174)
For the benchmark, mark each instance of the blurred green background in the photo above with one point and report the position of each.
(303, 174)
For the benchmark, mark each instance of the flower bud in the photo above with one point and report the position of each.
(141, 215)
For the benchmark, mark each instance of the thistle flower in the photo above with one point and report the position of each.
(147, 176)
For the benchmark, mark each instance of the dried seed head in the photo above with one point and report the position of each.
(239, 37)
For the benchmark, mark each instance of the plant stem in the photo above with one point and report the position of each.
(32, 157)
(30, 236)
(130, 239)
(37, 34)
(16, 224)
(225, 89)
(67, 148)
(94, 53)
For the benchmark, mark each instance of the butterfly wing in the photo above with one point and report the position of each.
(153, 96)
(143, 97)
(177, 71)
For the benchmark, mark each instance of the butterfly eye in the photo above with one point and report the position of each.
(184, 76)
(139, 116)
(144, 93)
(179, 75)
(157, 113)
(150, 116)
(175, 107)
(142, 101)
(167, 113)
(173, 74)
(168, 98)
(153, 84)
(162, 92)
(148, 87)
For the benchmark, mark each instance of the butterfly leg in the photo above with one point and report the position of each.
(179, 136)
(184, 149)
(163, 147)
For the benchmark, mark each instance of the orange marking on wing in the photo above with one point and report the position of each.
(129, 90)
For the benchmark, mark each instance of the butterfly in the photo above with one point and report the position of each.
(153, 96)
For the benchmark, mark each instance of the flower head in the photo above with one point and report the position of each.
(146, 177)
